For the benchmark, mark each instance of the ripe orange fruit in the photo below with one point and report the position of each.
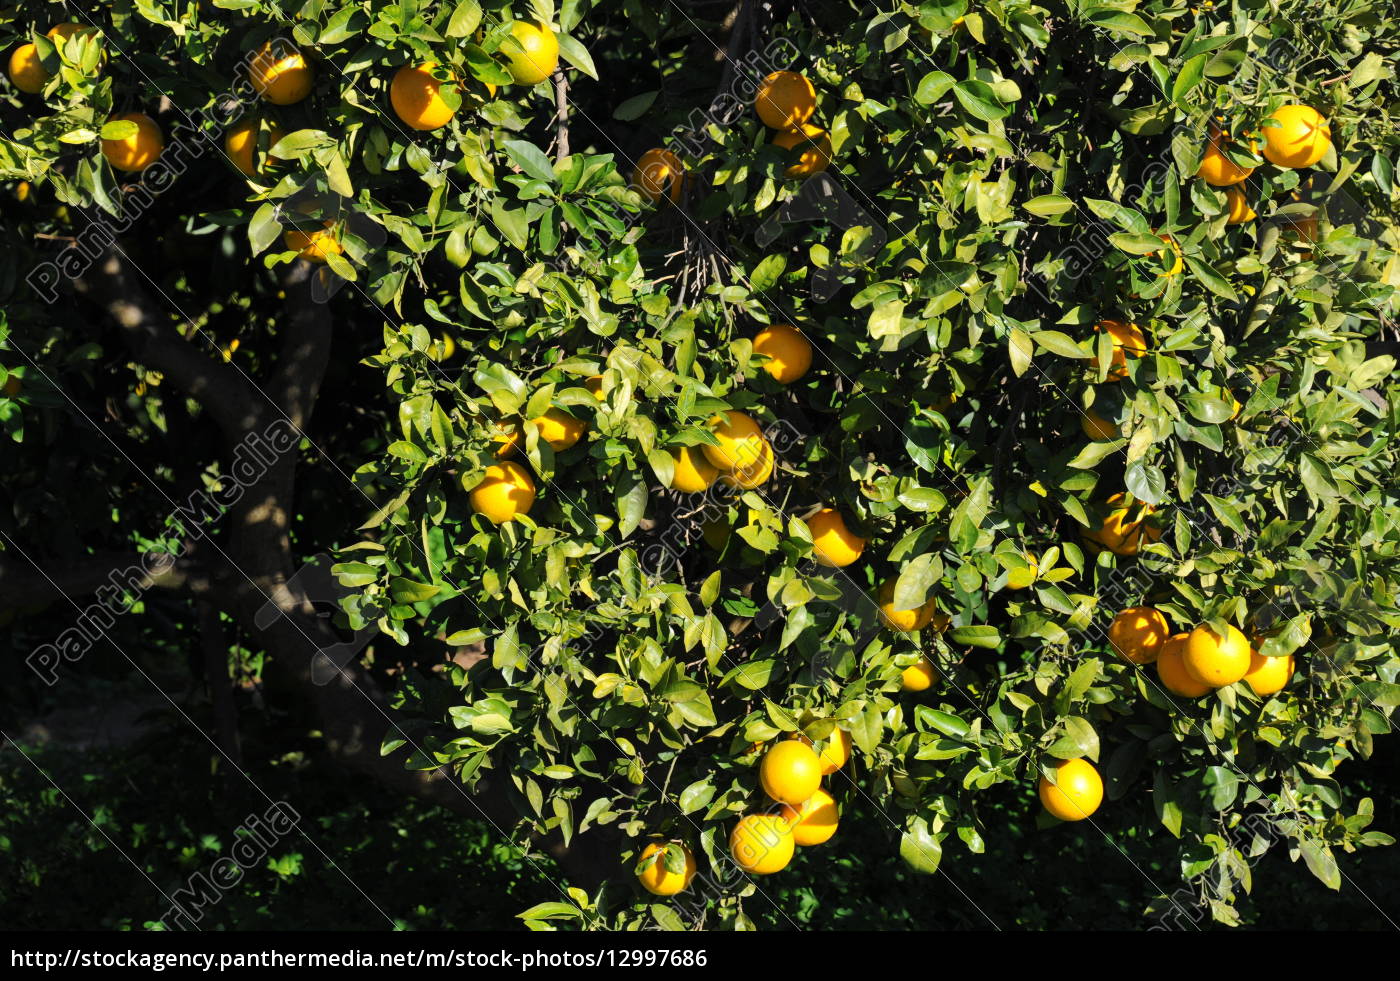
(762, 843)
(26, 72)
(833, 544)
(835, 751)
(313, 246)
(785, 100)
(1267, 675)
(533, 54)
(1096, 427)
(1128, 341)
(741, 442)
(594, 383)
(417, 98)
(1217, 169)
(814, 820)
(657, 879)
(659, 171)
(242, 140)
(507, 492)
(1301, 139)
(139, 150)
(1239, 210)
(1178, 263)
(279, 73)
(815, 145)
(754, 474)
(919, 676)
(789, 353)
(1214, 660)
(1023, 576)
(693, 472)
(559, 429)
(1171, 670)
(1076, 793)
(790, 772)
(905, 620)
(1138, 633)
(1121, 532)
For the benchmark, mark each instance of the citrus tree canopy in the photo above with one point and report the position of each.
(679, 431)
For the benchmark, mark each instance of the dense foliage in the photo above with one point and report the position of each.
(1005, 178)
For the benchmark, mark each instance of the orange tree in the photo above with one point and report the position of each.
(735, 416)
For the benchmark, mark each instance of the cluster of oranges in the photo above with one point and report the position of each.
(790, 773)
(1193, 664)
(786, 102)
(281, 76)
(1300, 138)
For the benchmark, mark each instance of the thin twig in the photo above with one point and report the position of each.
(561, 115)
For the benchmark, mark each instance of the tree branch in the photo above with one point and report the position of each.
(561, 115)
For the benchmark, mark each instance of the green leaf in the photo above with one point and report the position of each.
(1048, 205)
(976, 636)
(577, 55)
(465, 18)
(635, 107)
(530, 159)
(933, 87)
(407, 591)
(980, 100)
(919, 847)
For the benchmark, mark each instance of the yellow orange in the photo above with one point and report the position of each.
(241, 142)
(1138, 633)
(814, 820)
(1214, 660)
(693, 473)
(313, 246)
(754, 474)
(507, 492)
(919, 676)
(417, 98)
(835, 751)
(790, 772)
(657, 879)
(785, 100)
(1301, 138)
(833, 544)
(26, 72)
(1238, 210)
(1076, 793)
(559, 429)
(279, 73)
(533, 54)
(1096, 427)
(659, 172)
(762, 843)
(741, 442)
(1121, 532)
(138, 151)
(1171, 670)
(789, 354)
(1217, 169)
(1128, 341)
(1267, 675)
(814, 144)
(905, 620)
